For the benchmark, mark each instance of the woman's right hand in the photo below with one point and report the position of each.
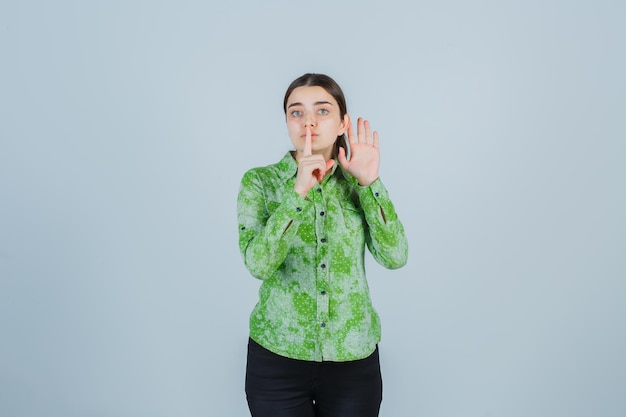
(311, 168)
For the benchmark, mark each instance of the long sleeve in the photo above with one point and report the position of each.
(264, 238)
(314, 301)
(385, 239)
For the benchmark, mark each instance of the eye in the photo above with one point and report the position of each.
(296, 113)
(323, 112)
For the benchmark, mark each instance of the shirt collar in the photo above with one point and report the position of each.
(288, 166)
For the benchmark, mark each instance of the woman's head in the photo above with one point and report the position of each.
(318, 101)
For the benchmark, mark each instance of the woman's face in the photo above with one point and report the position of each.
(314, 107)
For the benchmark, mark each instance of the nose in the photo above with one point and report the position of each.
(309, 120)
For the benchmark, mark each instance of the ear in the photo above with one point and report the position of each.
(345, 124)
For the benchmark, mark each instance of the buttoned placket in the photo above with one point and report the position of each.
(323, 268)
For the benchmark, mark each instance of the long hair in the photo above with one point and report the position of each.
(332, 88)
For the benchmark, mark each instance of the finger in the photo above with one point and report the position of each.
(359, 130)
(307, 143)
(341, 156)
(312, 162)
(376, 139)
(321, 172)
(311, 170)
(368, 133)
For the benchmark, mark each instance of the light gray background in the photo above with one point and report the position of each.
(125, 129)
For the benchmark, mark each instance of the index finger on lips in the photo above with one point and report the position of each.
(307, 143)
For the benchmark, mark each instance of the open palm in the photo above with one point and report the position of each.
(364, 153)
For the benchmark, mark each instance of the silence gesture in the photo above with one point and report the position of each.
(364, 153)
(311, 168)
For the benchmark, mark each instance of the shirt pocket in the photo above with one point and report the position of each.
(353, 217)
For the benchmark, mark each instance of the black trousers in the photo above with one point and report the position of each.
(277, 386)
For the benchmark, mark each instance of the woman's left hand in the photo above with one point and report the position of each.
(364, 154)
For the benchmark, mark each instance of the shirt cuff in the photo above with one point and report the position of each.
(294, 206)
(373, 194)
(376, 203)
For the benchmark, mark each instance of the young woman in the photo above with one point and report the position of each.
(303, 225)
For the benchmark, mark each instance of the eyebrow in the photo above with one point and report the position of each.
(317, 103)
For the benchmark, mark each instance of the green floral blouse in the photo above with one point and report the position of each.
(314, 300)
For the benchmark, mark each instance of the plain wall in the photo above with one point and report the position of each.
(125, 128)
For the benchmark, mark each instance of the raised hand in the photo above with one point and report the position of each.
(364, 153)
(311, 168)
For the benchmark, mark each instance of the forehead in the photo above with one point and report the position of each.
(310, 95)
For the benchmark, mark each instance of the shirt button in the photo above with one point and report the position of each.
(298, 208)
(323, 266)
(323, 292)
(323, 324)
(323, 240)
(321, 213)
(376, 194)
(319, 190)
(243, 227)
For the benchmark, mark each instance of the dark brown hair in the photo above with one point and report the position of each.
(332, 88)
